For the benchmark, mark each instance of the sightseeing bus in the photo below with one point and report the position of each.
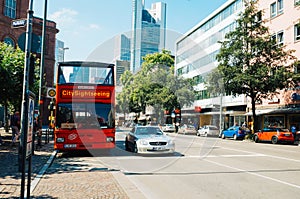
(84, 106)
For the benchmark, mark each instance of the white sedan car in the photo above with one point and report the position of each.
(148, 139)
(208, 130)
(168, 128)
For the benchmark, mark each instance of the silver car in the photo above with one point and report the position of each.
(148, 139)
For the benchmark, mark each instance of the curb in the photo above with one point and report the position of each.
(37, 179)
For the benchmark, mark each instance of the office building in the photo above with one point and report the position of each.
(195, 56)
(148, 31)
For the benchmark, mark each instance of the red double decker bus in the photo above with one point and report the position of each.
(84, 107)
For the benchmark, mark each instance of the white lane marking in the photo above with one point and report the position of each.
(191, 156)
(266, 155)
(225, 156)
(255, 174)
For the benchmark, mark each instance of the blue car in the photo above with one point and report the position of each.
(235, 132)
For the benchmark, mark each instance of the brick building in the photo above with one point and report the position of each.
(11, 10)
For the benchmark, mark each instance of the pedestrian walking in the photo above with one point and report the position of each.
(294, 130)
(15, 127)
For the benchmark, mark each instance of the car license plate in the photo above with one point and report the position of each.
(287, 134)
(158, 148)
(70, 145)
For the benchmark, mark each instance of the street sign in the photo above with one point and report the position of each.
(18, 23)
(30, 125)
(35, 42)
(51, 92)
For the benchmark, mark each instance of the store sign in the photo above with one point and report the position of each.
(198, 109)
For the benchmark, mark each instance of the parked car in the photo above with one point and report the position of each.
(187, 129)
(208, 130)
(274, 135)
(168, 128)
(148, 139)
(235, 132)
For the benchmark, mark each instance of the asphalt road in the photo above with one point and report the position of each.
(216, 168)
(201, 168)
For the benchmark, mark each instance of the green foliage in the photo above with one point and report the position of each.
(155, 85)
(250, 61)
(12, 75)
(214, 82)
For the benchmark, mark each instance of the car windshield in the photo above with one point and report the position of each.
(148, 131)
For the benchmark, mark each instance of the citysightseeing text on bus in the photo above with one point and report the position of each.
(67, 93)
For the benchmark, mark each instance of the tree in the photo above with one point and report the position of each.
(123, 98)
(214, 82)
(215, 86)
(250, 60)
(12, 74)
(155, 85)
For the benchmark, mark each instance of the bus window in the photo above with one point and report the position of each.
(85, 115)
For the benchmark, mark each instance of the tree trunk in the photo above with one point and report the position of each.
(254, 118)
(6, 118)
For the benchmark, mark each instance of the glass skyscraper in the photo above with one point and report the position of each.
(148, 31)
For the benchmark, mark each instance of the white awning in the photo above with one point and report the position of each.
(231, 113)
(261, 112)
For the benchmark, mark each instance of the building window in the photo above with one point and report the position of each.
(273, 10)
(10, 8)
(280, 6)
(9, 41)
(274, 121)
(278, 38)
(276, 8)
(297, 32)
(297, 2)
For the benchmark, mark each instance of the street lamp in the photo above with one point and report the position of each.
(63, 54)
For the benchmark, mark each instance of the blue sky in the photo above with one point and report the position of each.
(85, 25)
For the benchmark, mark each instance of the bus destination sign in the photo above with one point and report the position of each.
(99, 94)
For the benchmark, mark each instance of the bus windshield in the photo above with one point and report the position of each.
(85, 74)
(84, 115)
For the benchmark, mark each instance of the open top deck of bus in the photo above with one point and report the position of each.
(81, 72)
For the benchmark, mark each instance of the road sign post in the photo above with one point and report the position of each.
(24, 115)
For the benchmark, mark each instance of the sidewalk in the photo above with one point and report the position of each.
(56, 181)
(10, 177)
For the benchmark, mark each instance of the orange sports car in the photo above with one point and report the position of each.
(274, 135)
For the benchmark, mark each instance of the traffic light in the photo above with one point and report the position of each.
(177, 112)
(51, 106)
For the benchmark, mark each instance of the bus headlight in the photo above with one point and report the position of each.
(109, 139)
(60, 140)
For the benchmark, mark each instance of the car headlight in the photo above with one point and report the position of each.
(143, 142)
(171, 142)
